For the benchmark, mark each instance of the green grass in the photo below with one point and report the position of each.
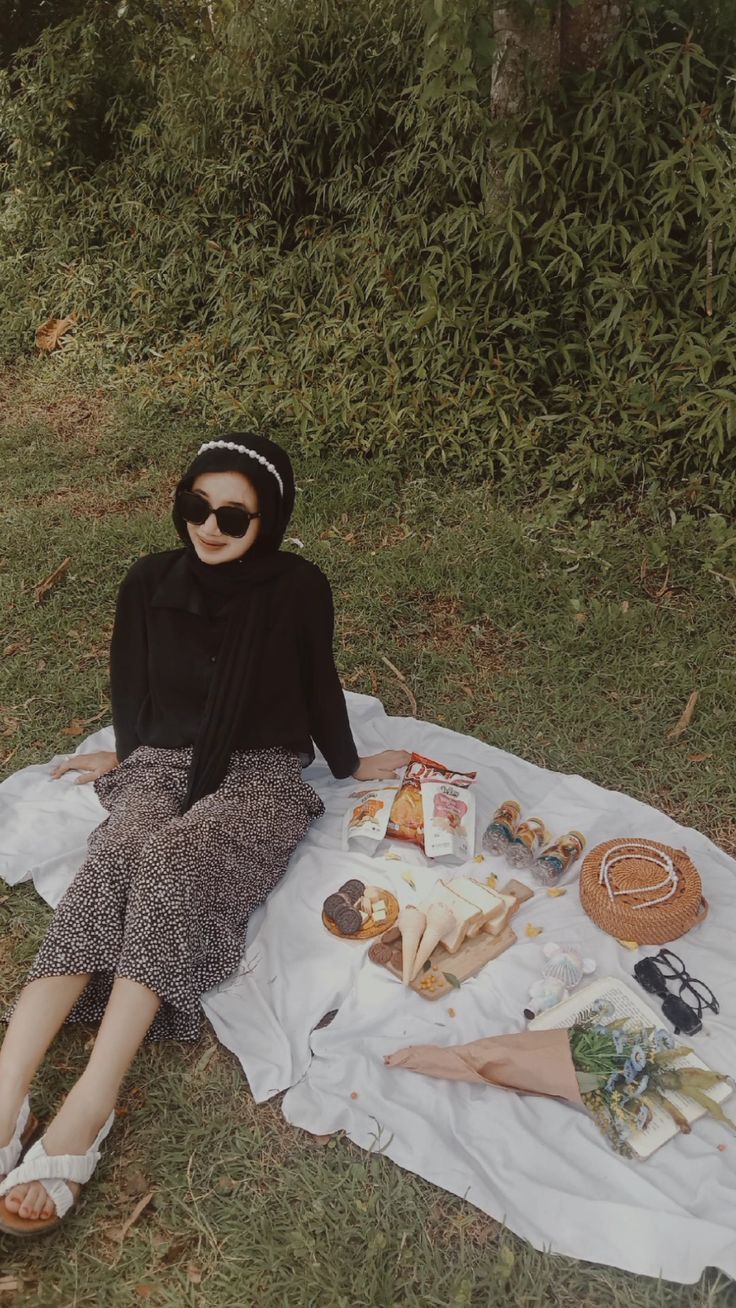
(576, 647)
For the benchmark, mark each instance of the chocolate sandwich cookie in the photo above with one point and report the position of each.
(333, 904)
(352, 890)
(347, 920)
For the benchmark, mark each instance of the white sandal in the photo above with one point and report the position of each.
(53, 1171)
(26, 1130)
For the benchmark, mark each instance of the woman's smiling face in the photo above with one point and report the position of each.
(219, 489)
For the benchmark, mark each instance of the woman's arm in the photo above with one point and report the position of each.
(328, 714)
(128, 662)
(329, 726)
(128, 684)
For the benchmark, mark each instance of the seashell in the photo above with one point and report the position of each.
(565, 965)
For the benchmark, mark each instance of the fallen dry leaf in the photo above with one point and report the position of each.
(532, 931)
(322, 1139)
(451, 1012)
(50, 333)
(173, 1250)
(41, 590)
(194, 1274)
(403, 683)
(9, 1284)
(554, 892)
(625, 606)
(133, 1183)
(77, 725)
(685, 719)
(479, 858)
(142, 1203)
(492, 880)
(698, 758)
(12, 649)
(225, 1184)
(408, 878)
(665, 585)
(628, 944)
(204, 1062)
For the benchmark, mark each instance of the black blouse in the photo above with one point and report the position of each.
(164, 652)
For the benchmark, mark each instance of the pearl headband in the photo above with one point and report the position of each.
(658, 858)
(243, 449)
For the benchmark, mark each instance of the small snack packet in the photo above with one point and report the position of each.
(366, 820)
(449, 821)
(407, 814)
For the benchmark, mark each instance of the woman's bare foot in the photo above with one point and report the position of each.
(72, 1132)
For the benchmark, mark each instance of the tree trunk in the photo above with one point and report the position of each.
(523, 46)
(587, 32)
(532, 52)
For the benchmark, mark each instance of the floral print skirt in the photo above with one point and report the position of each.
(164, 897)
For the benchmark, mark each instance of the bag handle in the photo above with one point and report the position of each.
(703, 911)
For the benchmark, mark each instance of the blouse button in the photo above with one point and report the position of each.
(213, 658)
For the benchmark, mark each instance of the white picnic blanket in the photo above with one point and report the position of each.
(538, 1165)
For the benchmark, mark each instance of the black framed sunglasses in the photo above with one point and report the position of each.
(683, 1010)
(231, 519)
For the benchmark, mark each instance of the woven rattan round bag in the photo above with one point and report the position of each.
(642, 891)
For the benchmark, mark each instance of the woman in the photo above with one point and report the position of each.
(221, 676)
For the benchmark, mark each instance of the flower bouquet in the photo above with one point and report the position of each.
(621, 1071)
(627, 1072)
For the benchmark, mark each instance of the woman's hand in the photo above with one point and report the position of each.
(92, 765)
(381, 767)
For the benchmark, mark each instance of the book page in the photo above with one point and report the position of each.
(625, 1002)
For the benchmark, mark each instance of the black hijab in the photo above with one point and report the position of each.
(239, 588)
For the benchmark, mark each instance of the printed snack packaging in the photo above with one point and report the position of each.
(407, 819)
(366, 820)
(449, 821)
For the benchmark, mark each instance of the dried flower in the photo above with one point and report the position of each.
(603, 1010)
(642, 1117)
(619, 1041)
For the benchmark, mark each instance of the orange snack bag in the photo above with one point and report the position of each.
(406, 821)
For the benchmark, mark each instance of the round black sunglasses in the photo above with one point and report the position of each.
(230, 518)
(683, 1010)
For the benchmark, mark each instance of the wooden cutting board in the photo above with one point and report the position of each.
(472, 955)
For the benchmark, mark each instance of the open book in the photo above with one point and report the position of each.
(627, 1003)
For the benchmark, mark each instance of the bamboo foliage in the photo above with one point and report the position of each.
(307, 216)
